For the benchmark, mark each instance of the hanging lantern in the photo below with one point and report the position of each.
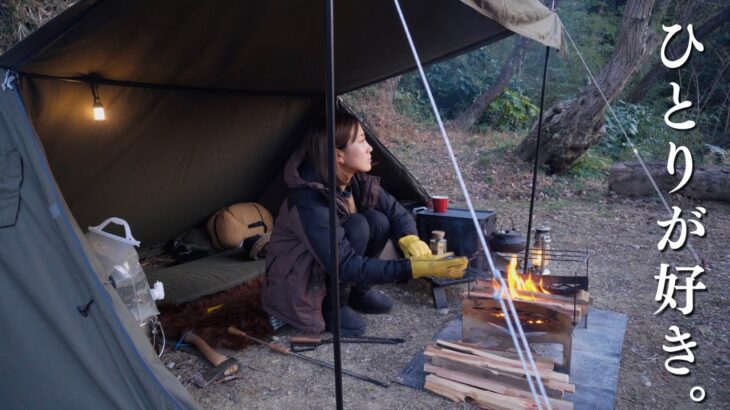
(98, 108)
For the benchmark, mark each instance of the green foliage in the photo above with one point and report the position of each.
(703, 80)
(594, 26)
(512, 110)
(716, 155)
(485, 160)
(413, 103)
(630, 118)
(455, 83)
(503, 147)
(591, 165)
(645, 126)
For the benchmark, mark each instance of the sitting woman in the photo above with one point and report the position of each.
(297, 282)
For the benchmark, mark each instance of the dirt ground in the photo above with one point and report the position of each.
(621, 235)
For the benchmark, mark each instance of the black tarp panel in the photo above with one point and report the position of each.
(270, 46)
(163, 160)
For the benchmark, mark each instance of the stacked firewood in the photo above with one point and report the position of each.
(490, 379)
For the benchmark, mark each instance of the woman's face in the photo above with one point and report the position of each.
(356, 157)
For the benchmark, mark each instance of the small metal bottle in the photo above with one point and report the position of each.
(438, 243)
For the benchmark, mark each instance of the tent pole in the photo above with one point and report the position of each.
(334, 254)
(537, 154)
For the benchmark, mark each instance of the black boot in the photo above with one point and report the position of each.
(371, 301)
(351, 324)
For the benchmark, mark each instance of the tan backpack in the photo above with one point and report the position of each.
(232, 225)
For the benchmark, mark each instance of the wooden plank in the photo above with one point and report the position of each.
(492, 356)
(486, 400)
(553, 388)
(485, 362)
(483, 398)
(508, 355)
(491, 385)
(485, 373)
(570, 388)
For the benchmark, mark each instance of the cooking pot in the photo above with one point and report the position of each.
(507, 241)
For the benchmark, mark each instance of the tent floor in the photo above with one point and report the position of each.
(189, 281)
(193, 280)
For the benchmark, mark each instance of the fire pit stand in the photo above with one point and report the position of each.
(484, 323)
(548, 317)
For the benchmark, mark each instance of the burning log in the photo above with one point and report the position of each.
(526, 288)
(581, 296)
(489, 379)
(549, 301)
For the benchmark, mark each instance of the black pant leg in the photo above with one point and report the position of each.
(358, 232)
(379, 232)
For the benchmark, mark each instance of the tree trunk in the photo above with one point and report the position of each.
(572, 126)
(707, 183)
(639, 91)
(514, 61)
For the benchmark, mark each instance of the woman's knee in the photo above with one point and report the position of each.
(377, 222)
(357, 231)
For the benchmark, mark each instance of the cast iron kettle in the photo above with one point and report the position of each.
(507, 241)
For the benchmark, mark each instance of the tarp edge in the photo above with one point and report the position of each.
(528, 18)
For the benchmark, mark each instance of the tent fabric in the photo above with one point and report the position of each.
(266, 47)
(523, 17)
(50, 354)
(206, 150)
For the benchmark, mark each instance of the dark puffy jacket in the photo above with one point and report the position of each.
(298, 253)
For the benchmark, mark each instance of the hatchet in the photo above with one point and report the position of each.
(222, 366)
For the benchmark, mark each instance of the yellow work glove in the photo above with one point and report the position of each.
(438, 266)
(411, 246)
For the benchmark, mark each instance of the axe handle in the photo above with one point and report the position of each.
(305, 340)
(213, 357)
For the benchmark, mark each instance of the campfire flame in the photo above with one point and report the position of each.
(517, 286)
